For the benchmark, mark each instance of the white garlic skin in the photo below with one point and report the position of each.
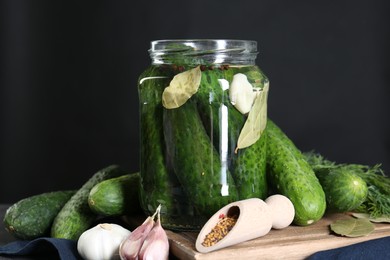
(241, 93)
(130, 247)
(102, 242)
(156, 244)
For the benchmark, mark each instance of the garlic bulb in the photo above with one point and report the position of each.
(241, 93)
(102, 242)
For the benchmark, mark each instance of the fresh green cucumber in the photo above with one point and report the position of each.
(291, 175)
(76, 216)
(32, 217)
(195, 160)
(116, 196)
(344, 191)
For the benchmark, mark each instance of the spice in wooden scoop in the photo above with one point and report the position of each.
(221, 229)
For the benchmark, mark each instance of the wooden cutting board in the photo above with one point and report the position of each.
(293, 242)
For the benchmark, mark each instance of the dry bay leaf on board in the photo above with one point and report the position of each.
(256, 122)
(382, 219)
(181, 88)
(354, 227)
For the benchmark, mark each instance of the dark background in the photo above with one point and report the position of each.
(68, 79)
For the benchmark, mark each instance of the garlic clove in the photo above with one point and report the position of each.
(130, 247)
(241, 93)
(101, 241)
(156, 244)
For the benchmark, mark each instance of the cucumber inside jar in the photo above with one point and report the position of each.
(189, 158)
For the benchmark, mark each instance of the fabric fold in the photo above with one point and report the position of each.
(63, 249)
(377, 249)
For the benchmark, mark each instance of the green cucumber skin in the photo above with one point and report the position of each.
(250, 174)
(32, 217)
(209, 98)
(344, 191)
(76, 216)
(195, 160)
(248, 166)
(116, 196)
(157, 182)
(291, 175)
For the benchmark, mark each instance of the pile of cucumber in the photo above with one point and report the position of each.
(67, 214)
(113, 192)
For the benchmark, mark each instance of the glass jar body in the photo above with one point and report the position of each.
(189, 158)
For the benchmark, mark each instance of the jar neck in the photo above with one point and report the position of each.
(203, 52)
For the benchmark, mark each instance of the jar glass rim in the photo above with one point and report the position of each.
(232, 51)
(205, 44)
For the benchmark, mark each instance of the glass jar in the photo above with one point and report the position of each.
(192, 162)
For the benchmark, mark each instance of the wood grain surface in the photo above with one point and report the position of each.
(293, 242)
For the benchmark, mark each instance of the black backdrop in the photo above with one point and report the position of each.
(68, 74)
